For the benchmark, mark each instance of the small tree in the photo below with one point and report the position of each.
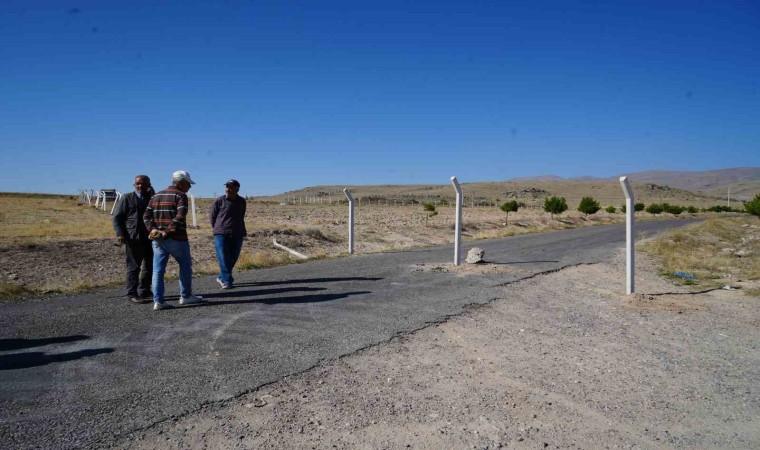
(638, 207)
(588, 206)
(654, 208)
(508, 207)
(753, 206)
(610, 209)
(555, 205)
(430, 211)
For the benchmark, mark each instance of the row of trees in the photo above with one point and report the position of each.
(588, 205)
(558, 205)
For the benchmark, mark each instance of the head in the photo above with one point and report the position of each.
(142, 184)
(182, 180)
(231, 188)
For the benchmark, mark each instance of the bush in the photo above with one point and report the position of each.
(692, 210)
(610, 209)
(753, 206)
(623, 208)
(672, 209)
(430, 211)
(588, 206)
(555, 205)
(654, 208)
(510, 206)
(638, 207)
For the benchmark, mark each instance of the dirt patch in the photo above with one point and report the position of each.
(563, 360)
(467, 269)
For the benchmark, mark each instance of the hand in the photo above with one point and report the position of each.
(155, 234)
(121, 240)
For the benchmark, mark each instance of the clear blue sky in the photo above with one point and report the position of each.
(287, 94)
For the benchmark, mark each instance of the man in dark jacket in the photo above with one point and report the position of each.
(131, 232)
(227, 216)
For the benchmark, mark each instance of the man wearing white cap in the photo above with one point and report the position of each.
(165, 220)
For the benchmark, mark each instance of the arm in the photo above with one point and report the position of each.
(119, 220)
(213, 212)
(242, 217)
(148, 216)
(179, 218)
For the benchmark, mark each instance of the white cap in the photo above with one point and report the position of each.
(182, 175)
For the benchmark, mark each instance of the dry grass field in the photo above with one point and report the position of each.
(55, 244)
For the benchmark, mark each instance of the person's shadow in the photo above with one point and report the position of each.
(307, 280)
(33, 359)
(316, 298)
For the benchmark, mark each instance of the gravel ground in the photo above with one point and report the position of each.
(562, 360)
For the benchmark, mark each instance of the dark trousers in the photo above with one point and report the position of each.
(139, 256)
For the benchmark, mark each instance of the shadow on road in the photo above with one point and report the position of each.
(16, 344)
(289, 300)
(516, 262)
(250, 293)
(34, 359)
(307, 280)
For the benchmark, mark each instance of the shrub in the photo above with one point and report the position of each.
(611, 209)
(654, 208)
(430, 211)
(672, 209)
(623, 208)
(692, 210)
(555, 205)
(510, 206)
(588, 206)
(638, 207)
(753, 206)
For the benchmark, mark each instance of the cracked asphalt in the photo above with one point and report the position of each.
(83, 370)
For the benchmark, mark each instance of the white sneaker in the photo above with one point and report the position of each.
(221, 283)
(190, 300)
(160, 306)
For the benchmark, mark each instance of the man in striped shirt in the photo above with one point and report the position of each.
(165, 220)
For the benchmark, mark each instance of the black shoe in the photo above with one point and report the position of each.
(139, 301)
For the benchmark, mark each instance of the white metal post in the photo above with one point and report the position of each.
(350, 221)
(192, 206)
(458, 229)
(629, 255)
(116, 200)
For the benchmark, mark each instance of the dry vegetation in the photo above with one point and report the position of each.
(717, 252)
(54, 244)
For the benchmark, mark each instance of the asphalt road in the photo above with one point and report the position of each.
(81, 371)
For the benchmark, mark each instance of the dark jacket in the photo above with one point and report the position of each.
(128, 217)
(228, 216)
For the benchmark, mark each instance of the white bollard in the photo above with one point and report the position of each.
(458, 229)
(629, 255)
(350, 221)
(192, 207)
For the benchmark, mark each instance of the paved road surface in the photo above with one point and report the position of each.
(77, 371)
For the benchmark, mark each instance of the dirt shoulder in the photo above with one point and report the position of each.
(562, 360)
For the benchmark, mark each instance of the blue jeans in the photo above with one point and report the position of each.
(180, 250)
(227, 252)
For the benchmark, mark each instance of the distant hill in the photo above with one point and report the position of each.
(743, 182)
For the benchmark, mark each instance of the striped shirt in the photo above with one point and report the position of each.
(167, 211)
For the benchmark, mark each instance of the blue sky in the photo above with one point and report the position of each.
(287, 94)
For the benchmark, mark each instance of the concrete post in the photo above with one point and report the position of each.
(629, 255)
(350, 221)
(458, 228)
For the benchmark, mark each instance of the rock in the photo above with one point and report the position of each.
(475, 255)
(743, 253)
